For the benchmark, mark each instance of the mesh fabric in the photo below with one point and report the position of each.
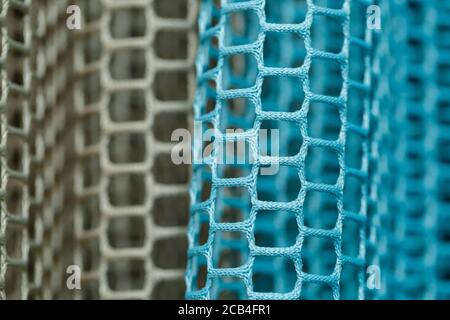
(271, 250)
(51, 135)
(406, 213)
(15, 148)
(136, 62)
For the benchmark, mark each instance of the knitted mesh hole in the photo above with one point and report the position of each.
(15, 158)
(265, 221)
(274, 132)
(352, 191)
(171, 45)
(169, 290)
(350, 241)
(230, 203)
(91, 177)
(358, 55)
(237, 114)
(209, 93)
(168, 211)
(91, 127)
(171, 86)
(324, 121)
(166, 172)
(12, 282)
(202, 174)
(274, 90)
(136, 270)
(200, 275)
(331, 71)
(90, 260)
(316, 291)
(128, 64)
(136, 26)
(265, 282)
(332, 4)
(177, 9)
(241, 27)
(167, 122)
(318, 256)
(91, 48)
(355, 98)
(228, 288)
(320, 210)
(134, 99)
(170, 253)
(358, 17)
(276, 44)
(322, 160)
(14, 243)
(240, 70)
(211, 53)
(230, 250)
(355, 142)
(274, 8)
(126, 232)
(201, 221)
(121, 144)
(127, 190)
(328, 33)
(14, 199)
(349, 276)
(91, 213)
(287, 180)
(233, 170)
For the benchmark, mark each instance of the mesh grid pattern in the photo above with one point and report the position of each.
(15, 149)
(412, 267)
(407, 99)
(441, 115)
(51, 129)
(142, 83)
(381, 224)
(36, 223)
(362, 117)
(87, 55)
(255, 260)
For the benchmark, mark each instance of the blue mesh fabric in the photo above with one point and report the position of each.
(413, 191)
(406, 215)
(388, 67)
(291, 235)
(441, 116)
(363, 118)
(380, 224)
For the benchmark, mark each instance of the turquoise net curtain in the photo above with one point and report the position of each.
(441, 120)
(407, 228)
(272, 65)
(347, 198)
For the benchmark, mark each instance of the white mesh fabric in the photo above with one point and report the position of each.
(142, 83)
(15, 149)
